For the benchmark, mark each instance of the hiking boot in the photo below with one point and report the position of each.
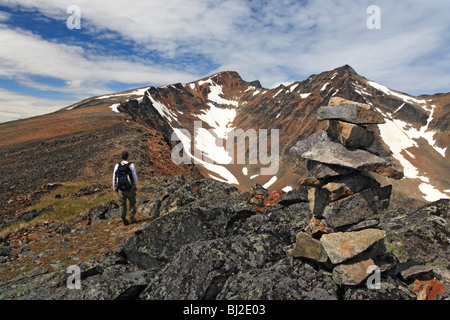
(125, 222)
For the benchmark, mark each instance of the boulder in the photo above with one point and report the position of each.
(200, 269)
(336, 154)
(324, 171)
(294, 196)
(352, 273)
(304, 145)
(350, 135)
(342, 246)
(288, 279)
(203, 219)
(307, 247)
(350, 112)
(364, 205)
(348, 185)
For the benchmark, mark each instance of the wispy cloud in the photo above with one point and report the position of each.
(160, 42)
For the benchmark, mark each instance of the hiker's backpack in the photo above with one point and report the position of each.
(123, 177)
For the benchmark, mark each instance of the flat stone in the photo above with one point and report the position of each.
(352, 274)
(348, 185)
(361, 206)
(412, 269)
(307, 247)
(294, 196)
(323, 170)
(306, 144)
(336, 154)
(342, 246)
(351, 112)
(349, 134)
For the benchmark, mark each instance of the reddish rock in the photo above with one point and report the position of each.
(316, 227)
(428, 289)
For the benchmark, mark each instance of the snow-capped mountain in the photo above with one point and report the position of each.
(201, 117)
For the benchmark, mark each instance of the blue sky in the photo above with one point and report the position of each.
(45, 66)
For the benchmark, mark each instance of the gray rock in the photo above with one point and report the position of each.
(350, 184)
(364, 205)
(323, 170)
(304, 145)
(203, 219)
(200, 269)
(288, 279)
(353, 113)
(342, 246)
(336, 154)
(294, 196)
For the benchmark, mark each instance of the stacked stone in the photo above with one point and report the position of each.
(344, 198)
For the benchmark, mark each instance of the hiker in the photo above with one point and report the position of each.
(125, 182)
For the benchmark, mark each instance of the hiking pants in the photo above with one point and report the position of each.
(131, 196)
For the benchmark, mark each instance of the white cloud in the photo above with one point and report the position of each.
(15, 105)
(273, 41)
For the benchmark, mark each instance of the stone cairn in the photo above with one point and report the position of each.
(344, 198)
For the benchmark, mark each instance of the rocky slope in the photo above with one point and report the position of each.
(207, 241)
(350, 197)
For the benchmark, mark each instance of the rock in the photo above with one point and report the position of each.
(287, 279)
(317, 227)
(350, 135)
(348, 185)
(391, 289)
(419, 234)
(350, 112)
(307, 247)
(304, 145)
(341, 246)
(412, 269)
(366, 224)
(428, 289)
(352, 274)
(203, 219)
(294, 196)
(323, 170)
(356, 208)
(318, 200)
(200, 269)
(335, 153)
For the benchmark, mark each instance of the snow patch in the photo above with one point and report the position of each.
(431, 193)
(388, 91)
(324, 86)
(287, 189)
(215, 96)
(217, 169)
(293, 87)
(277, 93)
(114, 107)
(270, 182)
(398, 136)
(304, 95)
(244, 171)
(163, 110)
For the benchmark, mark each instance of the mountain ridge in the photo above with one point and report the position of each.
(150, 114)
